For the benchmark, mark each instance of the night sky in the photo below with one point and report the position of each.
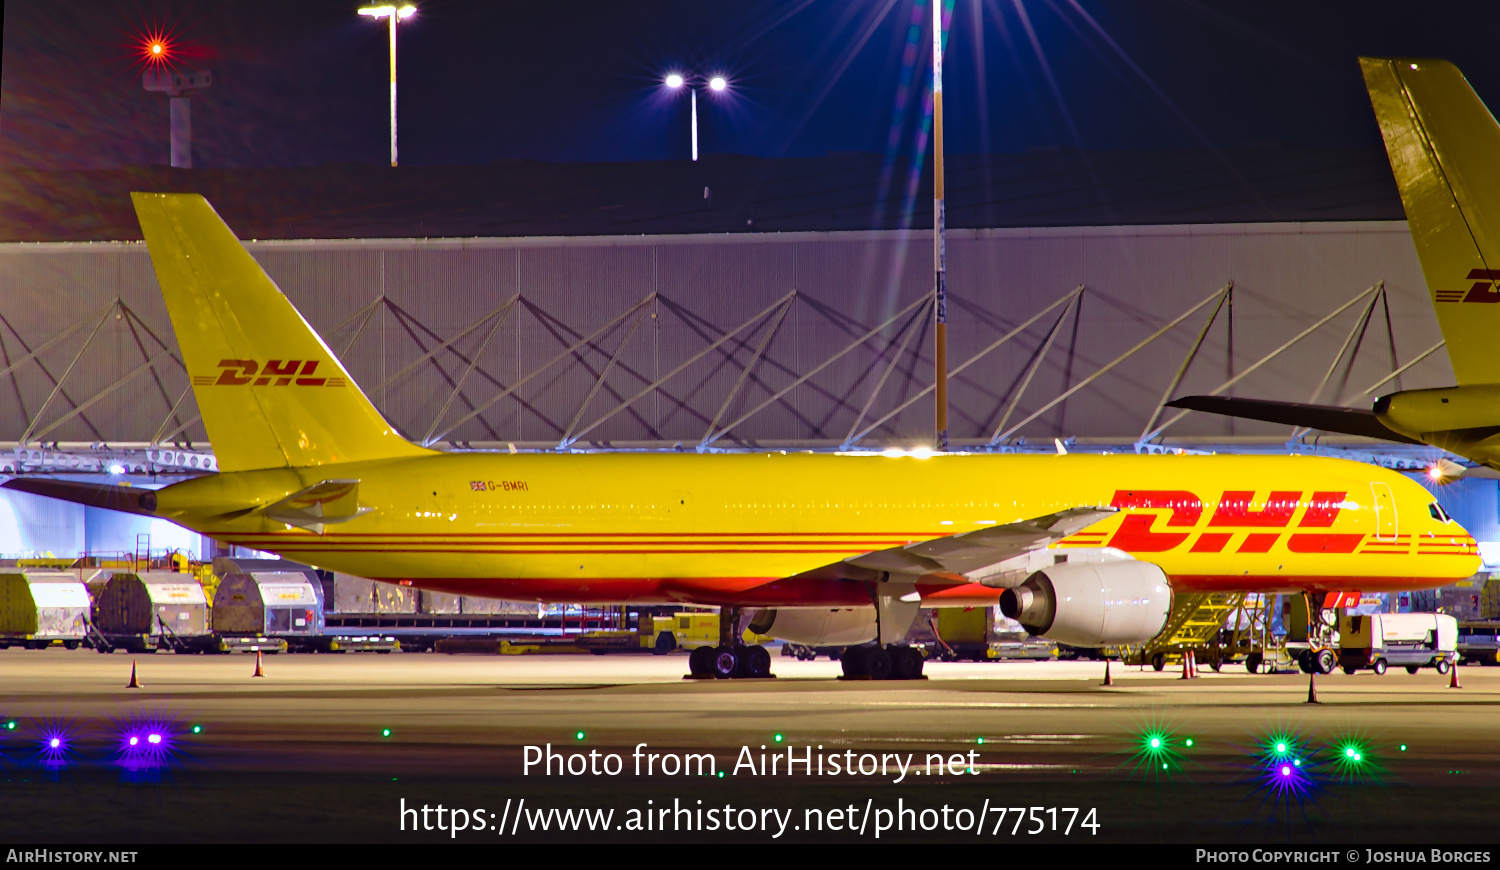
(304, 83)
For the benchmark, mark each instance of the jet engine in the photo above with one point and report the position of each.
(817, 626)
(1092, 604)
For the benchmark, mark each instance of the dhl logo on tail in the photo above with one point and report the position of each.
(242, 372)
(1483, 289)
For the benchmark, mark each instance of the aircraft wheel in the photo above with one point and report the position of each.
(1326, 661)
(906, 663)
(726, 662)
(1159, 662)
(853, 661)
(665, 643)
(878, 664)
(1379, 667)
(1252, 662)
(701, 662)
(755, 662)
(1443, 665)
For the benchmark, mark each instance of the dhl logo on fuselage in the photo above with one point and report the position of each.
(1237, 512)
(1483, 289)
(243, 372)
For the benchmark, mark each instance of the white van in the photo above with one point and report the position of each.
(1414, 640)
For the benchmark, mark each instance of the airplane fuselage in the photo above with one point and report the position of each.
(726, 529)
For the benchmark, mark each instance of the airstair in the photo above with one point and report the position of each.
(1196, 623)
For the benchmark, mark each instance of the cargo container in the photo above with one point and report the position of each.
(270, 603)
(38, 607)
(1410, 640)
(153, 610)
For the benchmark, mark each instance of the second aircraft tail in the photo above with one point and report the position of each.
(1444, 147)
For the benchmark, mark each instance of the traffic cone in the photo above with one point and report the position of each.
(1108, 680)
(1187, 666)
(134, 683)
(260, 670)
(1453, 677)
(1312, 688)
(1193, 663)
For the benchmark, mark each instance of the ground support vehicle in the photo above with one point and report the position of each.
(1479, 641)
(338, 643)
(803, 653)
(1410, 640)
(249, 643)
(685, 630)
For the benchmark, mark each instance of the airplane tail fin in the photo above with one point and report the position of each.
(271, 392)
(1444, 147)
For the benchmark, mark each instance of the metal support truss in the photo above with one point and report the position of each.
(1374, 288)
(954, 372)
(1001, 436)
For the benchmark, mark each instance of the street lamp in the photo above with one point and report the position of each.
(394, 14)
(675, 81)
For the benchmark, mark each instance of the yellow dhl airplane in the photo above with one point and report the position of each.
(837, 549)
(1444, 148)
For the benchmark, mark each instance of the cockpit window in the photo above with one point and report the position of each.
(1438, 513)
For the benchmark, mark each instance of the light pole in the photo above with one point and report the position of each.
(160, 78)
(939, 250)
(675, 81)
(394, 14)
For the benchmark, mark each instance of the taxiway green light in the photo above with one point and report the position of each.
(1403, 747)
(579, 735)
(10, 725)
(778, 737)
(385, 732)
(980, 741)
(1188, 742)
(721, 774)
(197, 729)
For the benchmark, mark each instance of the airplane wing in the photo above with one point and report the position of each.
(1347, 421)
(972, 551)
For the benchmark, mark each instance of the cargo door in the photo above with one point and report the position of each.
(1385, 512)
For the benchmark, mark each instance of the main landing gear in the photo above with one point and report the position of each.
(731, 659)
(890, 662)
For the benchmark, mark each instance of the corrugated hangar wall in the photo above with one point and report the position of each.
(748, 338)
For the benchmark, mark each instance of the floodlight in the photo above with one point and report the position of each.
(674, 81)
(718, 83)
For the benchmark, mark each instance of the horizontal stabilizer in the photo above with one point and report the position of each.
(128, 499)
(1346, 421)
(322, 504)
